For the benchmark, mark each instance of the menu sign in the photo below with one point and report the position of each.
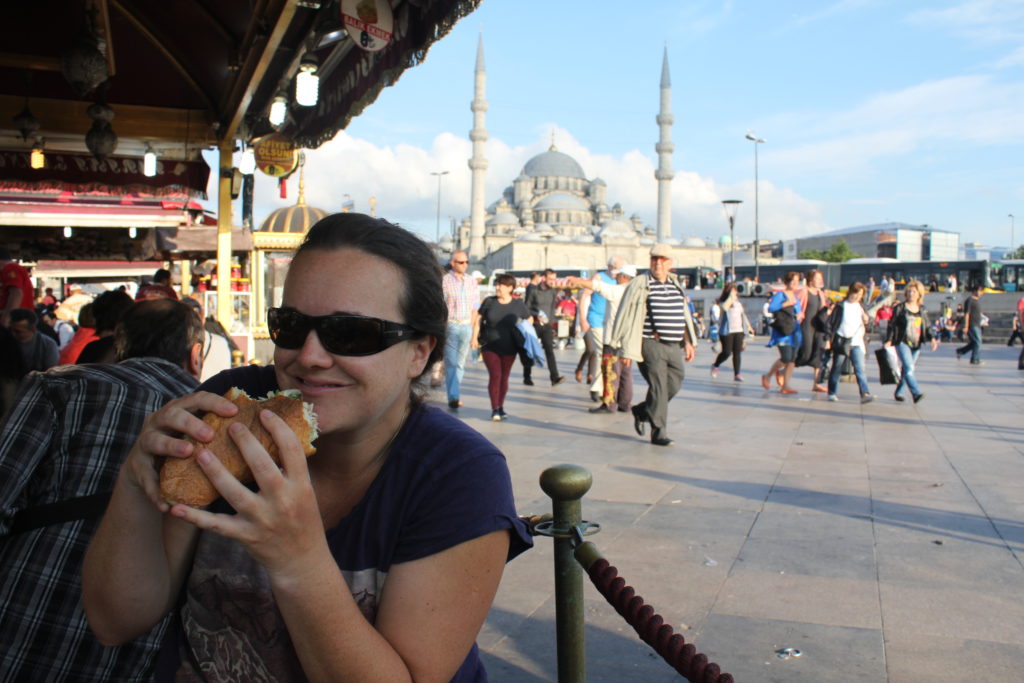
(369, 22)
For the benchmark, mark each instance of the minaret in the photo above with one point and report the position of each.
(478, 163)
(665, 148)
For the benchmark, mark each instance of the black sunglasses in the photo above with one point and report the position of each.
(342, 334)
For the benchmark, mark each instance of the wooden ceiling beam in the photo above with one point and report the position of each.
(68, 117)
(254, 68)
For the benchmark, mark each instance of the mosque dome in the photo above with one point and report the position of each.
(553, 163)
(585, 239)
(563, 200)
(503, 218)
(616, 227)
(694, 242)
(599, 181)
(446, 242)
(724, 241)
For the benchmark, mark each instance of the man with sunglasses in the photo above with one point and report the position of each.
(462, 295)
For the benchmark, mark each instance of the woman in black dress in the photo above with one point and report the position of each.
(813, 300)
(497, 321)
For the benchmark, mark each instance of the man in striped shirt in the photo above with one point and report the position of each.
(654, 327)
(462, 294)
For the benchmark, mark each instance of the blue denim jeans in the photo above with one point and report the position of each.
(857, 357)
(455, 351)
(908, 358)
(973, 344)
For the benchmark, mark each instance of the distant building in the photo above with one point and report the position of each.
(553, 216)
(885, 240)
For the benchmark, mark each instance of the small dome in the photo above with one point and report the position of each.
(694, 242)
(585, 239)
(615, 227)
(553, 163)
(296, 219)
(599, 181)
(446, 242)
(724, 241)
(562, 238)
(563, 200)
(530, 237)
(503, 218)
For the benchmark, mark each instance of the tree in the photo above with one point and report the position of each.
(1016, 254)
(837, 253)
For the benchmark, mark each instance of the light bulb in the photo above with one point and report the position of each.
(307, 83)
(68, 231)
(37, 159)
(247, 164)
(278, 110)
(149, 162)
(132, 233)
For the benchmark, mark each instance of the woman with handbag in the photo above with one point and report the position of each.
(786, 335)
(908, 330)
(496, 337)
(733, 329)
(847, 326)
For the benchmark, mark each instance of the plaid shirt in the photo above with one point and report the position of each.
(462, 294)
(66, 436)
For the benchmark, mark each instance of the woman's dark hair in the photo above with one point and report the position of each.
(789, 277)
(506, 279)
(422, 302)
(108, 309)
(726, 291)
(159, 328)
(86, 317)
(811, 274)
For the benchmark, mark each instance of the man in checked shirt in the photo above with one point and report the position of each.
(462, 294)
(61, 448)
(654, 327)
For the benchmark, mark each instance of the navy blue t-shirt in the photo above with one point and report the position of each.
(442, 484)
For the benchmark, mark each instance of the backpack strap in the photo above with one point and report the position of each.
(83, 507)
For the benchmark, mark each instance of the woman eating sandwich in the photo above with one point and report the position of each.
(377, 558)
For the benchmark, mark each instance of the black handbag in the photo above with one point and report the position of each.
(783, 321)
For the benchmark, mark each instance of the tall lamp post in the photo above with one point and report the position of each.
(437, 226)
(1012, 250)
(730, 206)
(757, 237)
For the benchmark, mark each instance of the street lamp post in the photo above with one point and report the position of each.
(730, 206)
(757, 237)
(1012, 250)
(437, 226)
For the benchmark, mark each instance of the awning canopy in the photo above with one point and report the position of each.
(200, 239)
(113, 269)
(187, 75)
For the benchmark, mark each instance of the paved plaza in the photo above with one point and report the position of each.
(883, 541)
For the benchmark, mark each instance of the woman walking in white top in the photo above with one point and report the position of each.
(846, 327)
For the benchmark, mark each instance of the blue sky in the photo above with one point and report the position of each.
(873, 111)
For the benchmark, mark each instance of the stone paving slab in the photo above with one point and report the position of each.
(885, 541)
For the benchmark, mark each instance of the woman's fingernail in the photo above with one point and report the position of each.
(204, 457)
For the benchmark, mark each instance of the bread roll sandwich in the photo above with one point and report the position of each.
(182, 479)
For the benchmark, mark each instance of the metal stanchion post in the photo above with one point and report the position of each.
(566, 485)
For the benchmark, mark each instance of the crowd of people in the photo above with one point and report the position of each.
(379, 556)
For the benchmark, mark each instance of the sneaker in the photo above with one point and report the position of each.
(527, 381)
(867, 398)
(833, 398)
(502, 414)
(977, 362)
(602, 408)
(495, 416)
(918, 398)
(558, 380)
(714, 371)
(454, 404)
(737, 378)
(897, 397)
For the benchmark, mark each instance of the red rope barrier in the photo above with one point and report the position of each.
(652, 629)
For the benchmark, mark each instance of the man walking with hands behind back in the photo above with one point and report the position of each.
(462, 294)
(540, 301)
(972, 323)
(654, 327)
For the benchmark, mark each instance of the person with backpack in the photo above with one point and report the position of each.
(786, 334)
(846, 330)
(814, 304)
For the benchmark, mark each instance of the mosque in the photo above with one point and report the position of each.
(553, 216)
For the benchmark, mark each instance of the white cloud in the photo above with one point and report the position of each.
(399, 178)
(984, 21)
